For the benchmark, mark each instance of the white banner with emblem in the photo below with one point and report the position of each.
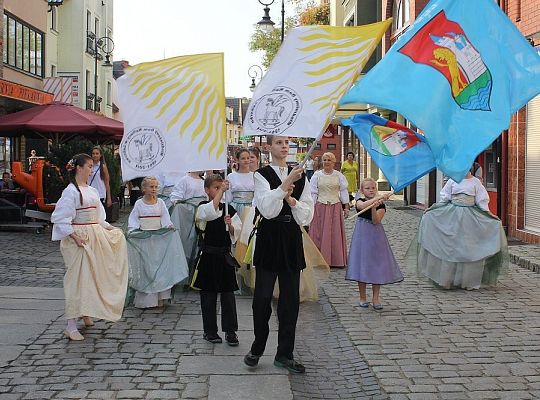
(314, 68)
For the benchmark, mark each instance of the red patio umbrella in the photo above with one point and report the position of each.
(60, 119)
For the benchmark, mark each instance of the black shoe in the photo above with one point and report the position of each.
(231, 339)
(290, 364)
(251, 360)
(212, 338)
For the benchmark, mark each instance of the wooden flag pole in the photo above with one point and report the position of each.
(225, 193)
(386, 196)
(308, 154)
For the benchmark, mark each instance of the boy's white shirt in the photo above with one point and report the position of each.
(207, 212)
(270, 202)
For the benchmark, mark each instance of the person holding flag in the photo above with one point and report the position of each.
(284, 201)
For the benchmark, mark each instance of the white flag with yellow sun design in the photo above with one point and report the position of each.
(174, 116)
(314, 68)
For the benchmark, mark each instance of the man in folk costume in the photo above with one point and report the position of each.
(284, 201)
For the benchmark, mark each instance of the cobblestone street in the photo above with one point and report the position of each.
(426, 344)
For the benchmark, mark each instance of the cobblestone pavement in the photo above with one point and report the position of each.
(426, 344)
(429, 343)
(158, 354)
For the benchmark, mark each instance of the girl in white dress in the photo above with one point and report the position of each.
(99, 178)
(156, 258)
(94, 252)
(240, 196)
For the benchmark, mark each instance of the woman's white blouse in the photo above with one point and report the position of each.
(239, 182)
(96, 181)
(188, 187)
(470, 186)
(141, 209)
(343, 185)
(66, 209)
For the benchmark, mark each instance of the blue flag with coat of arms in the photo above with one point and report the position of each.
(458, 73)
(401, 154)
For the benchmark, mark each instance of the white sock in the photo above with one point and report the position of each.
(71, 325)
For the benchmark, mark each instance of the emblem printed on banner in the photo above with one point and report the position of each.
(144, 148)
(275, 112)
(390, 141)
(443, 45)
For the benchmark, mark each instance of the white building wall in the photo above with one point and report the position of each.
(69, 46)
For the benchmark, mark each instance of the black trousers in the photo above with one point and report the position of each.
(229, 320)
(287, 310)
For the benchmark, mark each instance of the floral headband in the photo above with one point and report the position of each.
(70, 166)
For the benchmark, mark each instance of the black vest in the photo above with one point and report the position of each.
(279, 243)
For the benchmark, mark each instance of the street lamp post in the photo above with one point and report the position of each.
(103, 46)
(266, 23)
(254, 72)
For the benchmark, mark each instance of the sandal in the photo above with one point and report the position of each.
(364, 304)
(88, 321)
(377, 307)
(73, 335)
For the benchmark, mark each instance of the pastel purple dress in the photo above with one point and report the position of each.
(371, 259)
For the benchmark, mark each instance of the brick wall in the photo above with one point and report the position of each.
(525, 14)
(417, 7)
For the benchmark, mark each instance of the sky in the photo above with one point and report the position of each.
(152, 30)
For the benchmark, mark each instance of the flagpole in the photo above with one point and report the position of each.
(225, 193)
(308, 154)
(371, 206)
(226, 147)
(314, 144)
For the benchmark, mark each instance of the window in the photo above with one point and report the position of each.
(89, 95)
(96, 27)
(88, 21)
(401, 10)
(109, 95)
(54, 18)
(24, 46)
(490, 163)
(331, 146)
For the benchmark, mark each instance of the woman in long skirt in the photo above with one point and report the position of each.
(460, 243)
(186, 196)
(94, 252)
(329, 189)
(156, 256)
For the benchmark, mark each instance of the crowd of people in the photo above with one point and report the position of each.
(246, 233)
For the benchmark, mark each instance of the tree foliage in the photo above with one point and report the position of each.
(268, 43)
(317, 15)
(306, 13)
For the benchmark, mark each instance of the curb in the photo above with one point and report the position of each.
(531, 265)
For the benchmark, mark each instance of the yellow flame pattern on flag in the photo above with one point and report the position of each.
(189, 92)
(332, 57)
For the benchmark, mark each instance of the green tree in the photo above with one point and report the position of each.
(306, 13)
(316, 15)
(268, 43)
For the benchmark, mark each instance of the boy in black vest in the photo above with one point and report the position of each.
(284, 201)
(215, 271)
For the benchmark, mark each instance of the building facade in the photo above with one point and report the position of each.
(83, 30)
(520, 145)
(24, 55)
(234, 109)
(511, 164)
